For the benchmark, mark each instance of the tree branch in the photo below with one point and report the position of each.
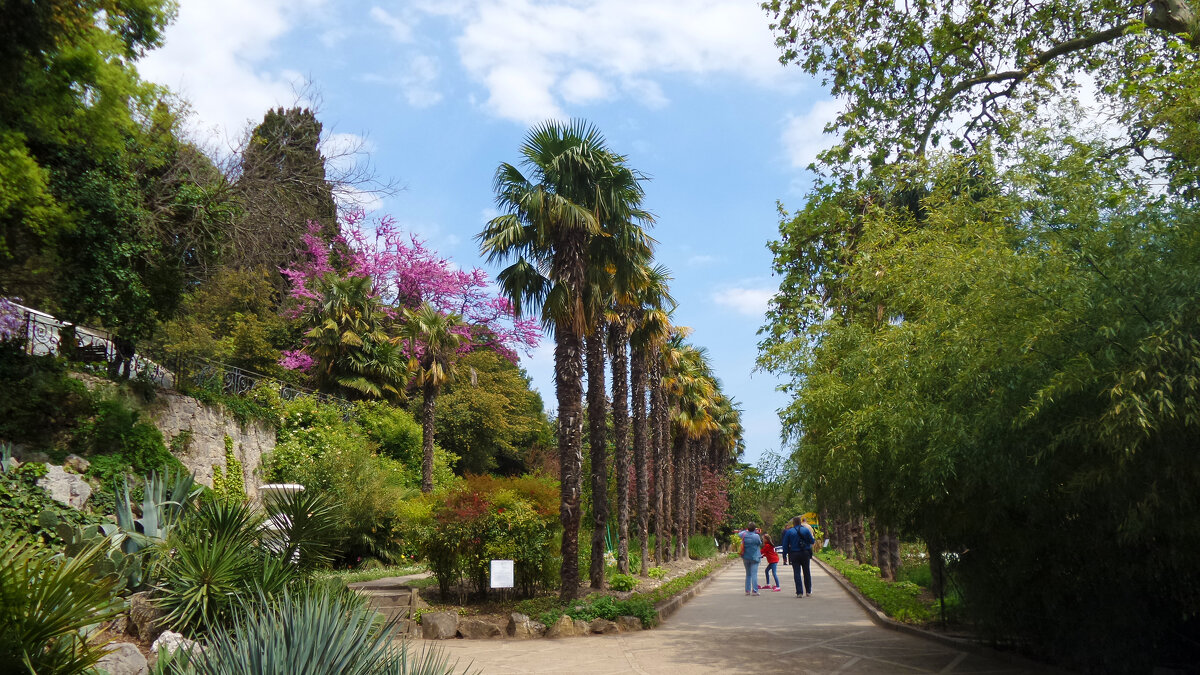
(1016, 76)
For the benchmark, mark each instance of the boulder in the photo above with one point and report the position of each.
(564, 627)
(603, 627)
(628, 624)
(439, 625)
(124, 659)
(68, 488)
(521, 627)
(582, 627)
(76, 464)
(172, 642)
(479, 629)
(145, 619)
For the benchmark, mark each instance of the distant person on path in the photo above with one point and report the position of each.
(751, 555)
(768, 551)
(798, 541)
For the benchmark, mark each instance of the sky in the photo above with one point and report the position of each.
(438, 93)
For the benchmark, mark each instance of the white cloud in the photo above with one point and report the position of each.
(213, 54)
(534, 56)
(749, 301)
(400, 29)
(701, 260)
(582, 86)
(804, 135)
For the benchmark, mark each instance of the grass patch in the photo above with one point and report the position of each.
(899, 600)
(355, 576)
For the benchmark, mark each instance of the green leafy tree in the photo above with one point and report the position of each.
(491, 417)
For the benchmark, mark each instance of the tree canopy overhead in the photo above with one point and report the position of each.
(911, 73)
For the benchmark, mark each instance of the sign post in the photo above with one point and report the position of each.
(502, 574)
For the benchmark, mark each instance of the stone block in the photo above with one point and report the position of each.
(479, 629)
(67, 488)
(416, 601)
(439, 625)
(564, 627)
(145, 619)
(603, 627)
(582, 627)
(124, 659)
(76, 464)
(629, 624)
(521, 627)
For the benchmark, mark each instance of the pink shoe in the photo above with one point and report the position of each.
(776, 589)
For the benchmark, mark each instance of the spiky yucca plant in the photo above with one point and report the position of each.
(327, 631)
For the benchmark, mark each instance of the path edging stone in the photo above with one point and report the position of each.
(884, 621)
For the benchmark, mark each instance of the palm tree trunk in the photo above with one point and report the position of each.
(640, 453)
(568, 381)
(656, 441)
(620, 415)
(680, 464)
(597, 421)
(856, 536)
(427, 430)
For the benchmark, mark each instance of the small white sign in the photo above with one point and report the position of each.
(826, 544)
(502, 574)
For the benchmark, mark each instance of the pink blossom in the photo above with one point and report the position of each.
(406, 273)
(295, 359)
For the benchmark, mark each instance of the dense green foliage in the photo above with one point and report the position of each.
(995, 349)
(29, 511)
(482, 518)
(490, 417)
(46, 603)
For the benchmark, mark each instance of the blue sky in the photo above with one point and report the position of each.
(439, 93)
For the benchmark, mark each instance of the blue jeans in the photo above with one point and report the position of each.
(751, 574)
(771, 569)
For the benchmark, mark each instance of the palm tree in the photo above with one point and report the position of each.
(575, 185)
(433, 343)
(615, 266)
(347, 337)
(650, 327)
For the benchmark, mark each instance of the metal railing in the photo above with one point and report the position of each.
(44, 335)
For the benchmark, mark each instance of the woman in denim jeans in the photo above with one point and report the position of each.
(751, 554)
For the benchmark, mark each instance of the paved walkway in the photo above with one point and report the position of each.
(723, 631)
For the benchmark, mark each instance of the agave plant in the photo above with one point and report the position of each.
(47, 603)
(324, 632)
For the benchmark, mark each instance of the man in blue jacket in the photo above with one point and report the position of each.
(797, 547)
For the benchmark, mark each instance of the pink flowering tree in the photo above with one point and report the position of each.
(405, 274)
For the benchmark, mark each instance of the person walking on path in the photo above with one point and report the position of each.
(751, 555)
(798, 541)
(772, 558)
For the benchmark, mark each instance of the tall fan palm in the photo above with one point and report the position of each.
(615, 266)
(574, 186)
(433, 347)
(649, 328)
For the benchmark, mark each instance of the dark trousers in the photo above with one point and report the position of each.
(801, 571)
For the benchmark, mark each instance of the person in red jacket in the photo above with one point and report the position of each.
(772, 558)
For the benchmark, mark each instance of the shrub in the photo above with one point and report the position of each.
(324, 632)
(657, 572)
(622, 582)
(46, 604)
(484, 518)
(702, 546)
(899, 600)
(229, 483)
(38, 398)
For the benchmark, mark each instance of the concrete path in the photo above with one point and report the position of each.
(723, 631)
